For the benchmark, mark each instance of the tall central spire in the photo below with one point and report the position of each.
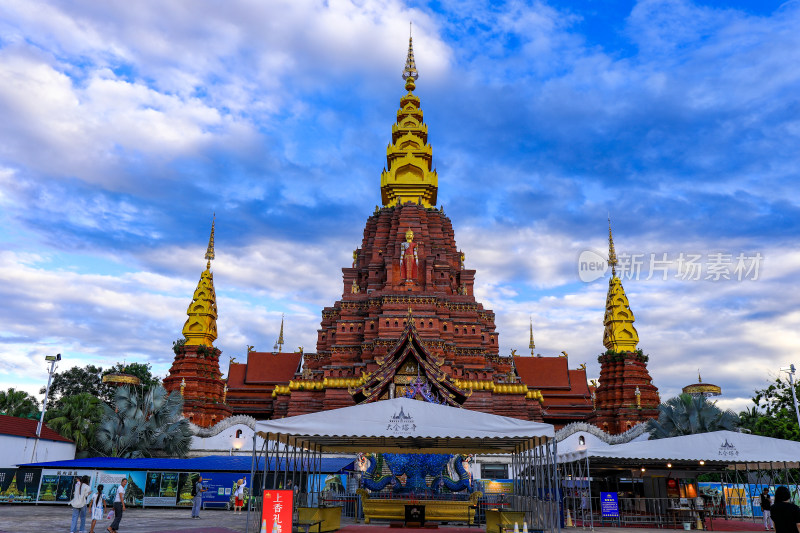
(411, 68)
(409, 174)
(619, 335)
(201, 325)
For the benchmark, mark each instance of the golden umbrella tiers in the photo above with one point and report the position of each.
(121, 379)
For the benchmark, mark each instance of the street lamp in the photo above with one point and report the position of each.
(52, 359)
(790, 370)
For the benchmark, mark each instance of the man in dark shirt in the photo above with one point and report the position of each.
(766, 505)
(785, 515)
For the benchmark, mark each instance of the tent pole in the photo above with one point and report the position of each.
(557, 483)
(276, 453)
(286, 462)
(252, 476)
(589, 485)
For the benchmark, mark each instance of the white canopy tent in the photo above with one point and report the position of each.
(403, 425)
(406, 425)
(727, 447)
(739, 458)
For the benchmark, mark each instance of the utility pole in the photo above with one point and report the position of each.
(790, 370)
(53, 359)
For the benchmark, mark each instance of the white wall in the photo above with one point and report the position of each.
(19, 450)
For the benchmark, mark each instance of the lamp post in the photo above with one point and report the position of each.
(52, 359)
(790, 370)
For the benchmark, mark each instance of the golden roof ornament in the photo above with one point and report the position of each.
(619, 334)
(279, 343)
(531, 344)
(702, 389)
(200, 328)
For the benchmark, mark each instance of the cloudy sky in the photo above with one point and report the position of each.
(126, 125)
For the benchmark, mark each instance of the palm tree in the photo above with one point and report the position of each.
(144, 422)
(76, 418)
(686, 415)
(18, 403)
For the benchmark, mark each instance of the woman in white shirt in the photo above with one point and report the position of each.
(79, 496)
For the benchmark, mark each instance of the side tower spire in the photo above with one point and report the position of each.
(409, 174)
(195, 369)
(626, 395)
(200, 328)
(619, 334)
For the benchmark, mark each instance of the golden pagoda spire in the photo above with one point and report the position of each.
(280, 342)
(409, 174)
(531, 344)
(619, 335)
(210, 249)
(201, 326)
(612, 255)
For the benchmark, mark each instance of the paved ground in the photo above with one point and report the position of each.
(52, 519)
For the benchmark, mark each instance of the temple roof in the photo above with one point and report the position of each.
(543, 372)
(263, 368)
(409, 346)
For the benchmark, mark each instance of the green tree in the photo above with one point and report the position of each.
(74, 381)
(19, 403)
(143, 423)
(76, 418)
(773, 414)
(89, 379)
(686, 415)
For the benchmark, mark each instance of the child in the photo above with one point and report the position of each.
(98, 507)
(239, 496)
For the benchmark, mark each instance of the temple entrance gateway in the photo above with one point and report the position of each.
(294, 446)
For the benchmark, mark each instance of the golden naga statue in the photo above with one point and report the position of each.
(408, 257)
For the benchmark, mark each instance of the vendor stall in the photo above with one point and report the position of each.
(683, 481)
(405, 426)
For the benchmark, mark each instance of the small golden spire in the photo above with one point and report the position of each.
(411, 68)
(612, 255)
(531, 344)
(280, 342)
(210, 250)
(699, 379)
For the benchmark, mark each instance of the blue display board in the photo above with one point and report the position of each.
(220, 487)
(609, 504)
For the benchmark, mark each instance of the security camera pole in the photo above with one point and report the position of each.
(53, 359)
(790, 370)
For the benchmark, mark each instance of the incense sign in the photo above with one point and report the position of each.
(276, 513)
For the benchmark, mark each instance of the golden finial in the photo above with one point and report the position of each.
(210, 250)
(612, 255)
(410, 72)
(531, 344)
(699, 379)
(280, 342)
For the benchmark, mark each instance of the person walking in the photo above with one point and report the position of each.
(785, 515)
(766, 505)
(119, 506)
(197, 497)
(80, 495)
(97, 507)
(238, 501)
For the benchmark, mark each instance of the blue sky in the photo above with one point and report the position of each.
(125, 127)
